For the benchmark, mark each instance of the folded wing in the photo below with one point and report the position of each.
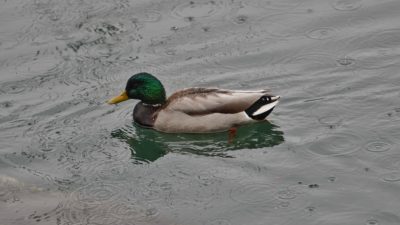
(200, 101)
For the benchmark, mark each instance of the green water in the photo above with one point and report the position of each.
(149, 145)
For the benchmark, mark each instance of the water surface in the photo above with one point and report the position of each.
(328, 155)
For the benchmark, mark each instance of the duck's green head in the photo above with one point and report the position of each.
(142, 86)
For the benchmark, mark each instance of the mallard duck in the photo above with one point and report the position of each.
(194, 110)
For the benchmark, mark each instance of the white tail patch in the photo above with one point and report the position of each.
(265, 108)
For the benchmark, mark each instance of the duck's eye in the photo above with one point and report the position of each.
(135, 84)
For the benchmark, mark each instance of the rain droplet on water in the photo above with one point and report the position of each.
(378, 146)
(346, 61)
(347, 5)
(372, 222)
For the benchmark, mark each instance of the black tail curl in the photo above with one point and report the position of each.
(262, 101)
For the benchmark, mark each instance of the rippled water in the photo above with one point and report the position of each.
(329, 154)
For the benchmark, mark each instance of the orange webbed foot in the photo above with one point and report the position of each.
(232, 134)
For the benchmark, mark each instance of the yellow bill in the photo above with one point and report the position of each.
(120, 98)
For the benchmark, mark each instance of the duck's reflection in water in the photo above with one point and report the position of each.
(148, 145)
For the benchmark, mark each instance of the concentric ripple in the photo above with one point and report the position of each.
(390, 162)
(347, 5)
(367, 218)
(336, 144)
(101, 149)
(95, 194)
(218, 221)
(378, 146)
(150, 16)
(50, 96)
(240, 19)
(307, 62)
(321, 33)
(253, 193)
(17, 123)
(346, 61)
(331, 115)
(95, 95)
(331, 120)
(14, 88)
(391, 177)
(278, 5)
(278, 201)
(35, 82)
(375, 58)
(75, 212)
(372, 222)
(39, 66)
(133, 211)
(226, 173)
(149, 193)
(291, 26)
(136, 67)
(198, 9)
(287, 194)
(361, 21)
(112, 171)
(47, 137)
